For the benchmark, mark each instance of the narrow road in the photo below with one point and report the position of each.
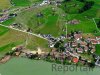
(24, 31)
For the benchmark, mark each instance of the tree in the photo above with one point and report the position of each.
(82, 0)
(80, 57)
(79, 45)
(57, 45)
(66, 0)
(92, 64)
(98, 24)
(87, 6)
(72, 33)
(62, 48)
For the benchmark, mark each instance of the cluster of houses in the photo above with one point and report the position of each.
(73, 48)
(52, 40)
(95, 40)
(74, 21)
(45, 2)
(6, 16)
(23, 52)
(56, 2)
(16, 51)
(3, 17)
(16, 25)
(81, 44)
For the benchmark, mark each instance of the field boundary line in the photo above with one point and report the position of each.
(23, 31)
(96, 24)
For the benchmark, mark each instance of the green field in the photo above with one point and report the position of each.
(97, 20)
(48, 24)
(24, 2)
(3, 30)
(21, 2)
(98, 49)
(86, 27)
(69, 7)
(86, 24)
(10, 38)
(54, 24)
(9, 21)
(53, 21)
(4, 4)
(97, 34)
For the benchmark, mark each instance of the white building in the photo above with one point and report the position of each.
(45, 2)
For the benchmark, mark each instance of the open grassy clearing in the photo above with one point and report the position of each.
(4, 4)
(91, 13)
(13, 38)
(72, 6)
(3, 30)
(48, 24)
(86, 24)
(9, 21)
(85, 27)
(8, 47)
(97, 34)
(97, 21)
(21, 2)
(24, 2)
(86, 56)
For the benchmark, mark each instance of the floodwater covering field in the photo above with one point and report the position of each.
(23, 66)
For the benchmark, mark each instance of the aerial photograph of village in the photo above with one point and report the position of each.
(49, 37)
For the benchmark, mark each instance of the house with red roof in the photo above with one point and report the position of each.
(80, 50)
(86, 48)
(94, 41)
(75, 60)
(78, 36)
(74, 44)
(98, 41)
(83, 43)
(98, 37)
(93, 50)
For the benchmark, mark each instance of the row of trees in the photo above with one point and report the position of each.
(59, 46)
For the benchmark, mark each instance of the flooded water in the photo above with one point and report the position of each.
(23, 66)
